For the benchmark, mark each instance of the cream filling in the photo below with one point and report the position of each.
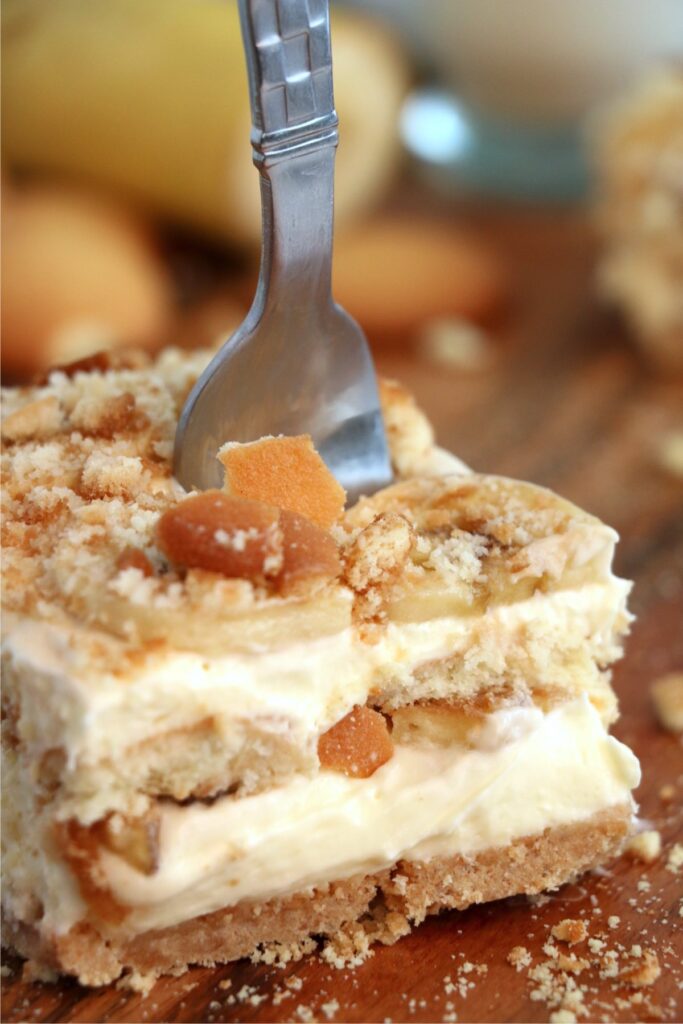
(530, 772)
(299, 691)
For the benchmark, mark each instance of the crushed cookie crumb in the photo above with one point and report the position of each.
(572, 963)
(519, 957)
(32, 970)
(330, 1008)
(570, 930)
(280, 954)
(645, 973)
(38, 419)
(249, 994)
(137, 982)
(674, 861)
(555, 988)
(111, 475)
(349, 954)
(645, 846)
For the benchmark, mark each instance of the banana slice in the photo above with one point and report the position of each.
(213, 630)
(136, 840)
(437, 724)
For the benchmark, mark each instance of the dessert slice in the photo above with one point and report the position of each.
(236, 720)
(637, 144)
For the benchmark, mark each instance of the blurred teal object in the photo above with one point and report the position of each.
(516, 80)
(485, 155)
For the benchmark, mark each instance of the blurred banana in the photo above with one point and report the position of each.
(149, 97)
(80, 272)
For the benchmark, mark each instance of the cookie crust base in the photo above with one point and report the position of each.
(378, 907)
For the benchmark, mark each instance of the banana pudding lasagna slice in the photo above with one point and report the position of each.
(240, 719)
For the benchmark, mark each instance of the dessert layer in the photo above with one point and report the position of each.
(531, 772)
(87, 473)
(528, 772)
(87, 477)
(185, 724)
(353, 913)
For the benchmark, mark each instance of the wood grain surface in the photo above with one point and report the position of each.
(565, 402)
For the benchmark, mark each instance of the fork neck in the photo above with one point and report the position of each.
(297, 195)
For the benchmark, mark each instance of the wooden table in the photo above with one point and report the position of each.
(567, 403)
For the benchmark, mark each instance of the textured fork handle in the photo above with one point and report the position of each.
(289, 59)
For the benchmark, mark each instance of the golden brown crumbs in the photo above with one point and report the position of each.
(373, 562)
(645, 846)
(519, 957)
(107, 416)
(39, 419)
(572, 963)
(644, 973)
(674, 861)
(379, 552)
(570, 930)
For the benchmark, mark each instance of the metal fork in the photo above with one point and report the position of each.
(298, 363)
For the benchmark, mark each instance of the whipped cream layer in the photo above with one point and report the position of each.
(529, 772)
(300, 690)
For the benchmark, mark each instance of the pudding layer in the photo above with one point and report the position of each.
(179, 723)
(529, 772)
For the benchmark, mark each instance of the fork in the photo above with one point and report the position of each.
(298, 363)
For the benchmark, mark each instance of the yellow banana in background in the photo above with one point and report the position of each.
(149, 98)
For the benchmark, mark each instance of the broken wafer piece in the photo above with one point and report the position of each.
(309, 554)
(222, 534)
(237, 537)
(357, 745)
(286, 472)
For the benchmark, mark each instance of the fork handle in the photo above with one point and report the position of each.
(289, 61)
(294, 138)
